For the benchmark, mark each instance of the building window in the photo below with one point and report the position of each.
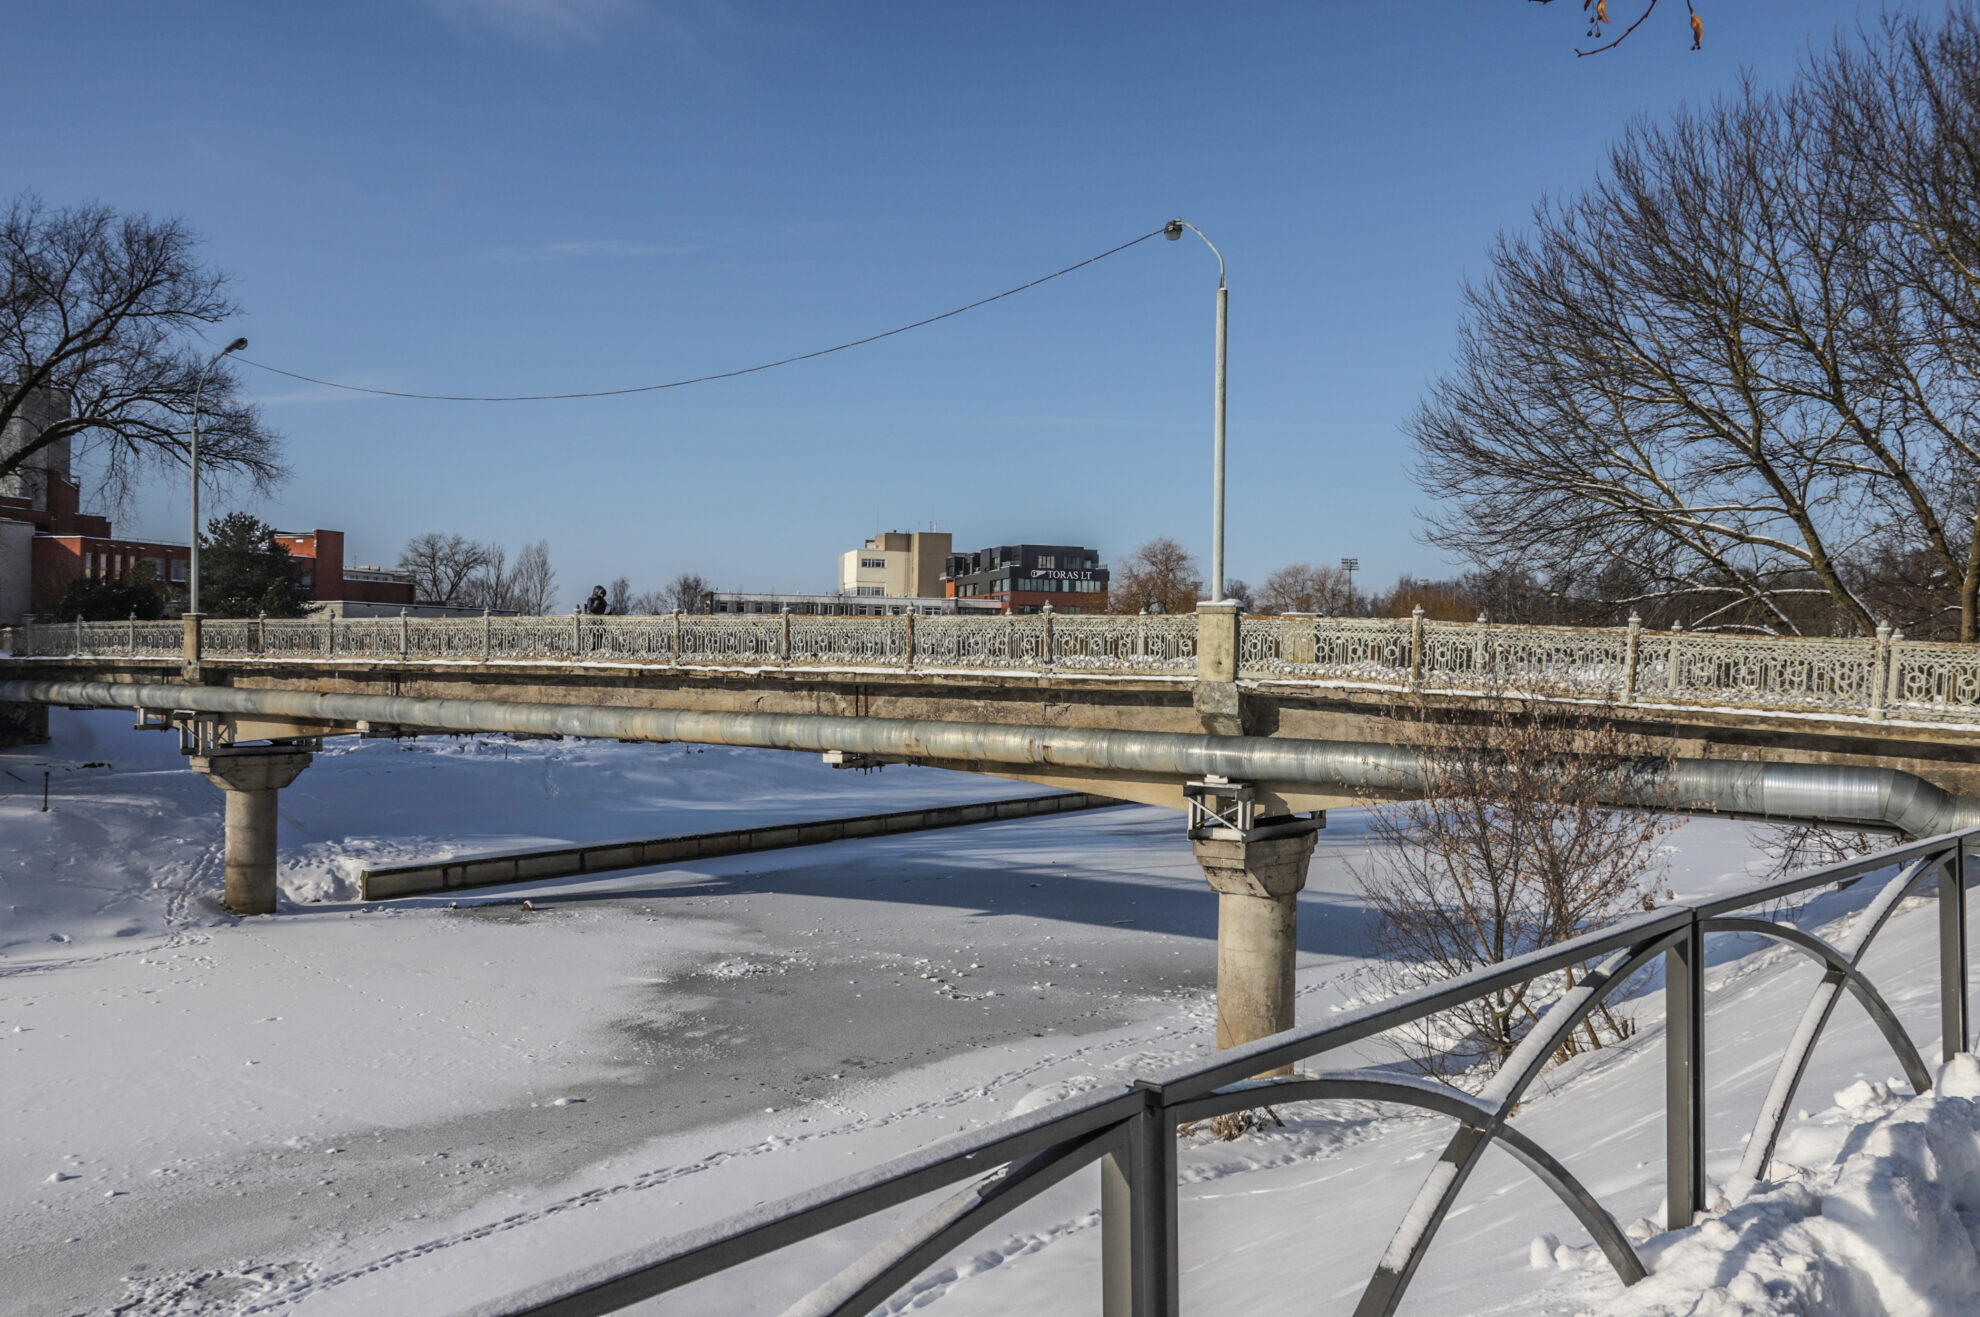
(873, 562)
(1048, 560)
(871, 590)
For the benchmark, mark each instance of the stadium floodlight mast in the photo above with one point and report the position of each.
(192, 461)
(1348, 565)
(1174, 231)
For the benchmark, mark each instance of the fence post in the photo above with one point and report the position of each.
(1880, 667)
(1894, 674)
(674, 650)
(405, 639)
(784, 637)
(1416, 646)
(261, 632)
(577, 632)
(130, 635)
(1954, 1032)
(1141, 635)
(1631, 645)
(907, 643)
(79, 648)
(1671, 661)
(329, 635)
(1138, 1264)
(1684, 1078)
(1051, 643)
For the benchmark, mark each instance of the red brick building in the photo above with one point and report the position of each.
(47, 541)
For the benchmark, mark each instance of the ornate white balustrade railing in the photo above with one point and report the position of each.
(1883, 677)
(1130, 1131)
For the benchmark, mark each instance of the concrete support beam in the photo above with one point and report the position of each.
(251, 777)
(1257, 883)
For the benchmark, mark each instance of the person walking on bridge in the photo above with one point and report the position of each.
(596, 606)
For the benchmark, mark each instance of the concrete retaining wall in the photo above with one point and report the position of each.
(533, 866)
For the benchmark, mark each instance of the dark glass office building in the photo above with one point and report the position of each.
(1026, 577)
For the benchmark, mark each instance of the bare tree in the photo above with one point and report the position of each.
(535, 580)
(442, 566)
(618, 596)
(1508, 849)
(493, 583)
(684, 592)
(1240, 593)
(100, 317)
(1715, 372)
(651, 603)
(1304, 588)
(1160, 577)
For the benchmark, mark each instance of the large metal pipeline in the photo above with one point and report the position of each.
(1846, 796)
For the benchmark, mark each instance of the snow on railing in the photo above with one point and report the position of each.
(1876, 678)
(1133, 1128)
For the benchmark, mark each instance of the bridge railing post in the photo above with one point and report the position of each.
(1051, 641)
(130, 635)
(78, 647)
(1138, 1263)
(405, 635)
(907, 640)
(261, 632)
(1955, 1033)
(784, 636)
(674, 641)
(1684, 1078)
(1416, 646)
(1673, 660)
(487, 637)
(1880, 670)
(1632, 644)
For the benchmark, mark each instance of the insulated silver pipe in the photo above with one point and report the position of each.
(1846, 796)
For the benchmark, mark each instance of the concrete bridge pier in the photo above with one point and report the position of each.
(1257, 874)
(251, 777)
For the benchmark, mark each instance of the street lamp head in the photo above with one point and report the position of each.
(1172, 230)
(235, 346)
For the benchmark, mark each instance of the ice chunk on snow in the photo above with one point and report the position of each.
(1540, 1253)
(1879, 1232)
(1959, 1077)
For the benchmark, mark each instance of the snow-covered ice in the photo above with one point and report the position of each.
(362, 1109)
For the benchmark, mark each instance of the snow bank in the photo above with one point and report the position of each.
(1887, 1229)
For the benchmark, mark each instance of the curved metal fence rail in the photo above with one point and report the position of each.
(1131, 1131)
(1878, 678)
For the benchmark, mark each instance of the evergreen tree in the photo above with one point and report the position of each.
(94, 599)
(244, 570)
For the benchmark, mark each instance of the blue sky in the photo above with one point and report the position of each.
(498, 196)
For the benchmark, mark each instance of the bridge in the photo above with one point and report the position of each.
(1254, 726)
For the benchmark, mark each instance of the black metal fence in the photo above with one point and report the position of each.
(1131, 1131)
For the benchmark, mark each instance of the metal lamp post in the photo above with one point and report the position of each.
(1348, 565)
(1172, 232)
(192, 587)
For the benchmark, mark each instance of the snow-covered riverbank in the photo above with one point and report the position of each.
(364, 1109)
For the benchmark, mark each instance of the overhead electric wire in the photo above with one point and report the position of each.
(698, 379)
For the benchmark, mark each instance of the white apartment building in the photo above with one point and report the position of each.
(895, 565)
